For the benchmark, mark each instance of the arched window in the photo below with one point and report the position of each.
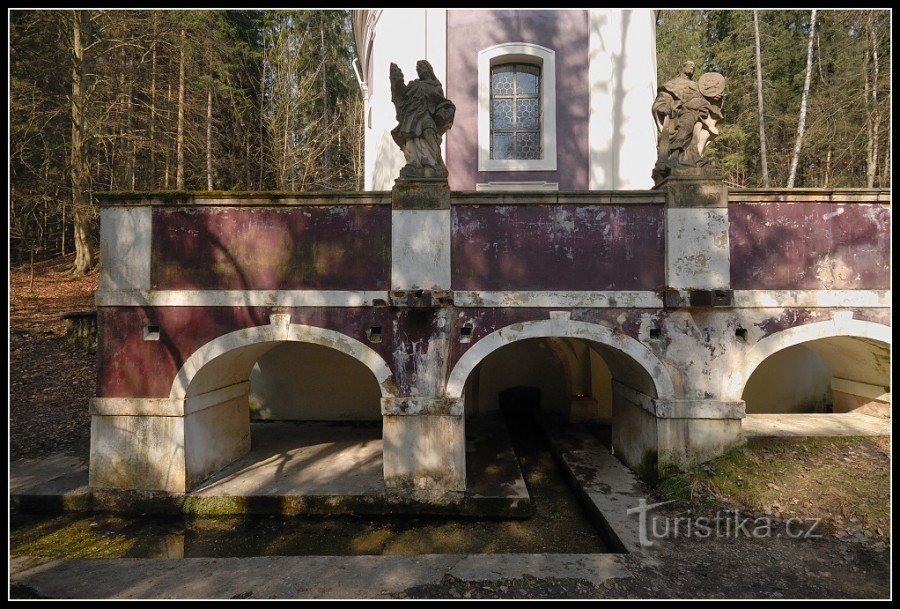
(515, 111)
(517, 108)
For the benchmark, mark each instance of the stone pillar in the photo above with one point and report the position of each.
(654, 436)
(131, 449)
(216, 430)
(690, 432)
(167, 444)
(695, 424)
(634, 431)
(424, 447)
(697, 250)
(423, 432)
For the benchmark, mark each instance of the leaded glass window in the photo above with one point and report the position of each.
(515, 111)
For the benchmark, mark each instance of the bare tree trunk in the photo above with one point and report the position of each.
(326, 157)
(874, 114)
(209, 175)
(62, 246)
(248, 181)
(801, 125)
(759, 97)
(81, 202)
(262, 115)
(827, 168)
(168, 155)
(179, 141)
(886, 166)
(130, 144)
(284, 151)
(31, 273)
(152, 168)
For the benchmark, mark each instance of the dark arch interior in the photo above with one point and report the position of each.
(550, 367)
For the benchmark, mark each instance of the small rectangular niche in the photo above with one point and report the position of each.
(465, 332)
(150, 332)
(374, 334)
(741, 334)
(655, 333)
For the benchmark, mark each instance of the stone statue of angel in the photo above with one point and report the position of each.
(424, 115)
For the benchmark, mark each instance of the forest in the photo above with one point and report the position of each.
(124, 100)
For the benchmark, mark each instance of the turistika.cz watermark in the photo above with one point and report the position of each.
(728, 524)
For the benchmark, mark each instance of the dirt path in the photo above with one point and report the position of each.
(51, 382)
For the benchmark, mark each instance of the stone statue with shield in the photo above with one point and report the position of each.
(686, 114)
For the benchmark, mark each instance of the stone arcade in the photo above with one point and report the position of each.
(658, 304)
(688, 298)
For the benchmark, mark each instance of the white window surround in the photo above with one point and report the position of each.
(520, 52)
(516, 186)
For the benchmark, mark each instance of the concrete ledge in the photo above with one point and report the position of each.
(241, 298)
(137, 407)
(391, 406)
(862, 398)
(132, 501)
(178, 198)
(196, 403)
(814, 425)
(865, 390)
(605, 487)
(642, 299)
(634, 396)
(699, 409)
(694, 192)
(421, 194)
(681, 409)
(590, 197)
(762, 299)
(810, 195)
(166, 407)
(291, 577)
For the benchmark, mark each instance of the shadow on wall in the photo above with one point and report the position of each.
(794, 380)
(339, 247)
(264, 248)
(800, 378)
(389, 161)
(301, 381)
(809, 246)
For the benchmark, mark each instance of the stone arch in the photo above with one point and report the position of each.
(230, 356)
(607, 341)
(214, 387)
(734, 383)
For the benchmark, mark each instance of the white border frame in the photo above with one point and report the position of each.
(526, 53)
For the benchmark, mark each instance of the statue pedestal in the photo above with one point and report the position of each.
(697, 250)
(420, 193)
(694, 188)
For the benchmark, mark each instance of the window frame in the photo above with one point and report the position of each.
(518, 52)
(514, 98)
